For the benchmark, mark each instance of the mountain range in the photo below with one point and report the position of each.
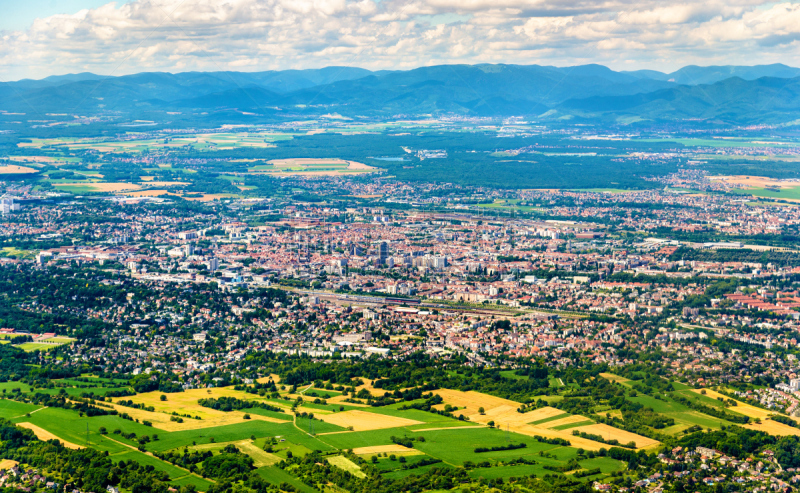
(724, 94)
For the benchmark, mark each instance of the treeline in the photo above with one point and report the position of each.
(232, 403)
(602, 439)
(498, 448)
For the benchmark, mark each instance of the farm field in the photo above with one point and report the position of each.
(311, 167)
(369, 433)
(200, 142)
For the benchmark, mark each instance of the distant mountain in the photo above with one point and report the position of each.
(489, 90)
(751, 94)
(734, 100)
(693, 75)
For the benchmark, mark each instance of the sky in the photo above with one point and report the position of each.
(39, 38)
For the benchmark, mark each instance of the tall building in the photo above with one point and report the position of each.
(383, 252)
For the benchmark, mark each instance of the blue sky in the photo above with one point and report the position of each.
(250, 35)
(19, 14)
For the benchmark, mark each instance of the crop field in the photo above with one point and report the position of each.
(363, 421)
(344, 463)
(503, 413)
(199, 142)
(43, 434)
(311, 167)
(13, 169)
(740, 408)
(386, 449)
(87, 187)
(374, 432)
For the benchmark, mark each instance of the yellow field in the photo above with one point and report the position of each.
(344, 463)
(43, 434)
(614, 378)
(363, 421)
(389, 449)
(260, 458)
(741, 407)
(7, 464)
(505, 416)
(187, 403)
(468, 403)
(774, 428)
(17, 170)
(611, 433)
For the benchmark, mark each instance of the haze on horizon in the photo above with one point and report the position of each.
(43, 37)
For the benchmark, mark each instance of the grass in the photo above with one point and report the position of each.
(29, 347)
(573, 425)
(551, 418)
(784, 193)
(346, 464)
(12, 409)
(277, 476)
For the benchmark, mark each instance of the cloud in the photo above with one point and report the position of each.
(178, 35)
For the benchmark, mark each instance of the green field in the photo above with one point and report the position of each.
(784, 193)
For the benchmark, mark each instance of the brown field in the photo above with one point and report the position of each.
(542, 413)
(7, 464)
(389, 449)
(756, 181)
(283, 167)
(16, 170)
(43, 434)
(774, 428)
(611, 433)
(103, 186)
(166, 183)
(505, 416)
(363, 421)
(741, 407)
(148, 193)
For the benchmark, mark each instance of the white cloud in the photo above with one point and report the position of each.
(176, 35)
